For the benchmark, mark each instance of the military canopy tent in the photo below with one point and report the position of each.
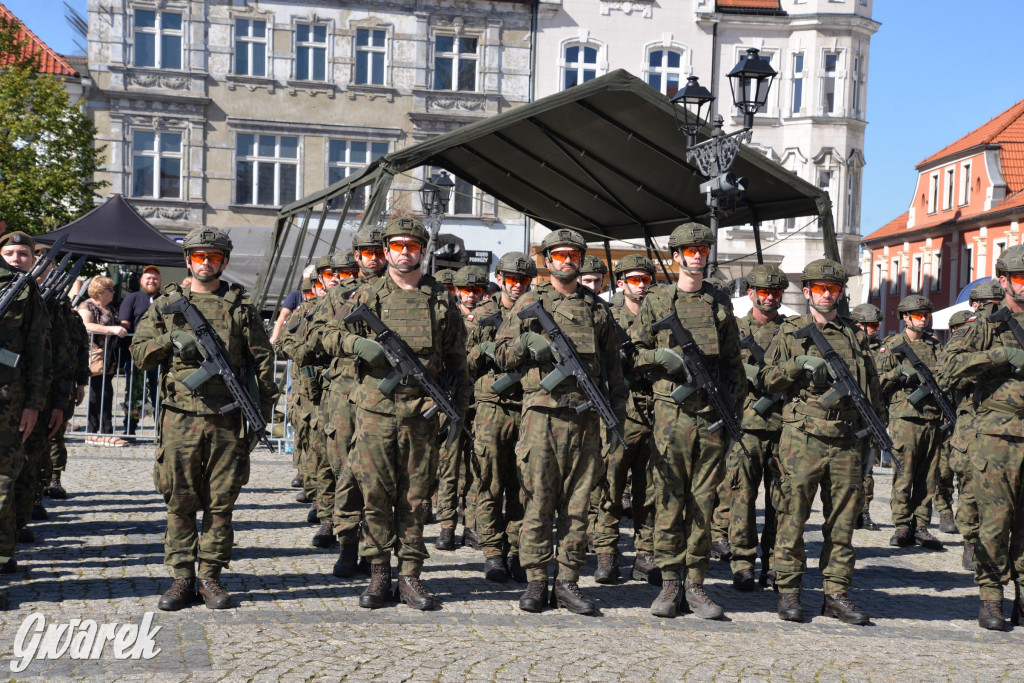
(115, 233)
(605, 158)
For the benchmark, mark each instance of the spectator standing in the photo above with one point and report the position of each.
(102, 323)
(137, 383)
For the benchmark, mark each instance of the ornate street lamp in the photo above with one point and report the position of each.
(693, 103)
(750, 80)
(434, 196)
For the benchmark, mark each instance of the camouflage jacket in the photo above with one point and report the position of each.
(306, 388)
(894, 389)
(62, 381)
(334, 305)
(78, 343)
(239, 326)
(763, 334)
(483, 367)
(25, 330)
(640, 397)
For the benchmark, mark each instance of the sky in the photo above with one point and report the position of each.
(937, 71)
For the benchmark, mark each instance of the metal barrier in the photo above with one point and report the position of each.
(124, 402)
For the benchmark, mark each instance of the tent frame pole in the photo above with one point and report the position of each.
(272, 258)
(288, 278)
(611, 269)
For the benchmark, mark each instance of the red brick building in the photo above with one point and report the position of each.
(967, 208)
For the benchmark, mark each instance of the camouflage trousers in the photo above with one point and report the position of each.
(325, 478)
(916, 445)
(499, 505)
(455, 482)
(348, 501)
(743, 476)
(689, 463)
(28, 487)
(58, 448)
(998, 487)
(870, 454)
(201, 464)
(943, 484)
(557, 456)
(12, 458)
(722, 516)
(394, 463)
(633, 464)
(833, 463)
(967, 507)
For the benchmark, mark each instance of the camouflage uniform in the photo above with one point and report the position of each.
(302, 399)
(201, 461)
(874, 344)
(78, 352)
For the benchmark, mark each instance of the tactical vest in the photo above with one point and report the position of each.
(763, 335)
(842, 336)
(698, 314)
(576, 318)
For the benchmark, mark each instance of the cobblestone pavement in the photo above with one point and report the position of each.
(100, 557)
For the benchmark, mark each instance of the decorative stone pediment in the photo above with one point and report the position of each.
(644, 8)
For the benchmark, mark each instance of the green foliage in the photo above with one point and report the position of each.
(48, 160)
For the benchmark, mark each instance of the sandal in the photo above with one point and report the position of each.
(115, 441)
(93, 440)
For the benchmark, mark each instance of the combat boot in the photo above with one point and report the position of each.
(348, 561)
(721, 550)
(789, 607)
(412, 592)
(324, 536)
(767, 578)
(297, 482)
(865, 522)
(947, 524)
(924, 538)
(902, 538)
(743, 580)
(644, 569)
(515, 569)
(301, 497)
(445, 539)
(378, 592)
(470, 538)
(535, 597)
(569, 596)
(214, 594)
(699, 602)
(495, 569)
(39, 513)
(311, 516)
(990, 616)
(967, 560)
(667, 602)
(26, 535)
(181, 594)
(839, 606)
(607, 568)
(55, 490)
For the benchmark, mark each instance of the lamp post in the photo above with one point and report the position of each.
(750, 81)
(434, 196)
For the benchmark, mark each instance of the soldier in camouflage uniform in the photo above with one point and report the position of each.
(689, 460)
(592, 272)
(629, 465)
(202, 459)
(24, 383)
(559, 452)
(456, 485)
(868, 318)
(819, 446)
(446, 276)
(394, 452)
(762, 427)
(915, 429)
(992, 356)
(499, 508)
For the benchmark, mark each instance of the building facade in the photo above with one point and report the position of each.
(218, 112)
(966, 209)
(813, 123)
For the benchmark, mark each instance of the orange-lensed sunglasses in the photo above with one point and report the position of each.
(517, 280)
(214, 257)
(696, 249)
(764, 291)
(564, 255)
(820, 288)
(371, 252)
(638, 280)
(398, 246)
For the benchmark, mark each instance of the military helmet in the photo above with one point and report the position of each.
(634, 262)
(691, 233)
(866, 314)
(207, 238)
(959, 318)
(306, 285)
(446, 276)
(592, 266)
(409, 227)
(1011, 260)
(915, 302)
(765, 275)
(563, 237)
(985, 291)
(345, 260)
(470, 276)
(824, 269)
(323, 263)
(368, 237)
(517, 263)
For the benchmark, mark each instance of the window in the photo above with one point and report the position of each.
(157, 39)
(156, 164)
(998, 248)
(917, 276)
(580, 65)
(853, 200)
(876, 285)
(828, 83)
(965, 183)
(947, 199)
(664, 72)
(966, 266)
(463, 198)
(825, 180)
(311, 52)
(894, 276)
(250, 47)
(936, 285)
(455, 63)
(798, 82)
(855, 88)
(266, 172)
(344, 157)
(933, 192)
(370, 53)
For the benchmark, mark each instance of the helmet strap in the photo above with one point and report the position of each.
(565, 277)
(405, 269)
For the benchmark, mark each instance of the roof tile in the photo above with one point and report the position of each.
(49, 61)
(988, 133)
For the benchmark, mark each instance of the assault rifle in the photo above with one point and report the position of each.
(54, 273)
(571, 365)
(16, 286)
(845, 385)
(699, 377)
(405, 364)
(929, 387)
(217, 363)
(62, 286)
(1005, 315)
(764, 404)
(640, 382)
(511, 378)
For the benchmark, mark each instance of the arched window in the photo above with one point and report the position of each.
(665, 70)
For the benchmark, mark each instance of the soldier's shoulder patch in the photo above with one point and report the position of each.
(470, 317)
(972, 318)
(881, 349)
